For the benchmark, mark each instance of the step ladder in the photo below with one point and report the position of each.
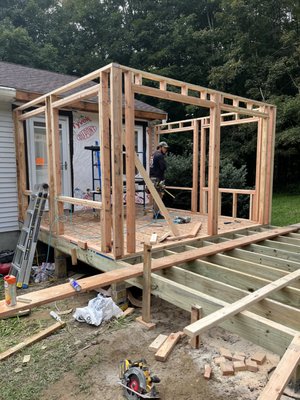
(24, 253)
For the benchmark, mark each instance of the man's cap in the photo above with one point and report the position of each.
(163, 144)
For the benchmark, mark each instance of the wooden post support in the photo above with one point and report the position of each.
(146, 308)
(50, 151)
(202, 195)
(270, 164)
(56, 170)
(194, 203)
(105, 163)
(60, 262)
(116, 165)
(258, 168)
(21, 164)
(214, 165)
(130, 165)
(196, 314)
(263, 169)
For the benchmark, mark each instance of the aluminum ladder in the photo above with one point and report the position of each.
(24, 253)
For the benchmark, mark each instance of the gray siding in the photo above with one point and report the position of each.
(8, 173)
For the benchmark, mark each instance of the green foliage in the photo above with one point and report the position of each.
(286, 209)
(250, 48)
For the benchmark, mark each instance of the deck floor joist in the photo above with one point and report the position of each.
(212, 273)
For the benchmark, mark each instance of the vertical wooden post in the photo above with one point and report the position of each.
(194, 205)
(202, 170)
(213, 167)
(56, 170)
(130, 164)
(234, 204)
(117, 175)
(21, 165)
(263, 170)
(257, 172)
(105, 163)
(196, 314)
(49, 140)
(60, 264)
(270, 164)
(146, 307)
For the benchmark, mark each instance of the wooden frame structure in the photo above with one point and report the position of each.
(113, 78)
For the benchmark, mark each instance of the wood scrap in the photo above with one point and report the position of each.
(165, 350)
(74, 256)
(148, 325)
(164, 237)
(33, 339)
(196, 229)
(158, 342)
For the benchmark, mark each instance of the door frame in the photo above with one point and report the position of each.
(66, 156)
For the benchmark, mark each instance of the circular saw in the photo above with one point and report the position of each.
(137, 381)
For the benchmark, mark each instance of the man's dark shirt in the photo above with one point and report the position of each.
(158, 167)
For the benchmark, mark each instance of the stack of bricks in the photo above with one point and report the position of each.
(230, 363)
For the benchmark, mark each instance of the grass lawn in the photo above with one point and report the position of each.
(285, 209)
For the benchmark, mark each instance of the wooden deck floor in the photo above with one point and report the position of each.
(84, 226)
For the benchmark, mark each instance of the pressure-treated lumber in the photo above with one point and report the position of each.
(130, 165)
(165, 350)
(283, 372)
(21, 165)
(106, 220)
(240, 305)
(80, 202)
(33, 339)
(213, 167)
(116, 160)
(146, 307)
(196, 314)
(156, 196)
(63, 291)
(157, 343)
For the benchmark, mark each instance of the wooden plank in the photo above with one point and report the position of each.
(196, 314)
(270, 163)
(176, 130)
(234, 204)
(106, 221)
(50, 152)
(156, 196)
(243, 111)
(213, 167)
(258, 171)
(118, 275)
(240, 305)
(283, 372)
(194, 203)
(82, 94)
(56, 171)
(167, 95)
(157, 343)
(116, 165)
(263, 178)
(80, 202)
(130, 166)
(21, 165)
(164, 237)
(33, 113)
(146, 306)
(33, 339)
(202, 170)
(165, 350)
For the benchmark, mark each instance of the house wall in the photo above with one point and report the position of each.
(9, 226)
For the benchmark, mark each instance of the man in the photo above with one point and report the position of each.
(157, 174)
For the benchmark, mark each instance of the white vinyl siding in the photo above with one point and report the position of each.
(8, 172)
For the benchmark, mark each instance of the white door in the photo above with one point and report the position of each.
(37, 153)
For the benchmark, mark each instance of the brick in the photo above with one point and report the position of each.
(227, 368)
(251, 365)
(219, 360)
(207, 371)
(240, 353)
(225, 353)
(239, 366)
(260, 358)
(237, 357)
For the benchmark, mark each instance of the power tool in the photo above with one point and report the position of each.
(137, 380)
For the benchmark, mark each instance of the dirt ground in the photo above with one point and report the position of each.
(81, 361)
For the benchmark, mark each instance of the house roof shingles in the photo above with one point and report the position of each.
(40, 81)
